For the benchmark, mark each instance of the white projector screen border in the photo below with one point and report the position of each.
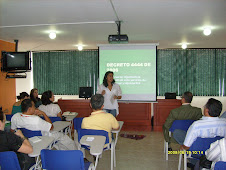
(134, 67)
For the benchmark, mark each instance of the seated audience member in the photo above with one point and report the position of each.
(209, 126)
(15, 142)
(186, 111)
(29, 119)
(216, 152)
(52, 110)
(34, 97)
(17, 105)
(99, 119)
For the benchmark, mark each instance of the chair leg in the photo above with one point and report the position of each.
(112, 155)
(164, 146)
(38, 163)
(180, 159)
(33, 167)
(96, 162)
(83, 151)
(185, 160)
(166, 150)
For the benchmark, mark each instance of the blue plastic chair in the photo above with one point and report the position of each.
(64, 159)
(177, 124)
(9, 161)
(110, 146)
(9, 117)
(54, 119)
(77, 125)
(181, 124)
(197, 149)
(30, 133)
(220, 165)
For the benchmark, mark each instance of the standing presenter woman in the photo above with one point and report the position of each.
(111, 92)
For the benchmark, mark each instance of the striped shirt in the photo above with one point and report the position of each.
(206, 127)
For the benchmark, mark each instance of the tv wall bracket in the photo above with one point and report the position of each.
(19, 74)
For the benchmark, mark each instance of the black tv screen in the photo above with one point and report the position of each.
(85, 92)
(15, 61)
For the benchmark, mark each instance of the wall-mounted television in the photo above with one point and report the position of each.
(16, 61)
(85, 92)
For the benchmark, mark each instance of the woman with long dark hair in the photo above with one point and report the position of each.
(50, 109)
(111, 92)
(17, 105)
(34, 97)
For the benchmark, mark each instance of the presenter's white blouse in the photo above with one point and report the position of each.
(109, 101)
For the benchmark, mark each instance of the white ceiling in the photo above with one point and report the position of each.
(89, 22)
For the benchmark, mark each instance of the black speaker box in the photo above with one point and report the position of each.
(170, 95)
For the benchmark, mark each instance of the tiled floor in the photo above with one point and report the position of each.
(144, 154)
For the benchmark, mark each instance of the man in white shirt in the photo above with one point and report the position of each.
(209, 126)
(29, 119)
(216, 152)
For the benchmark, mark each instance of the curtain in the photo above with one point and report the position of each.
(63, 72)
(201, 71)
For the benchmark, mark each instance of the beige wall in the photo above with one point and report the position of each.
(7, 86)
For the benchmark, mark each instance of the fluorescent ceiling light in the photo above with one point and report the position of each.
(184, 46)
(207, 31)
(52, 35)
(80, 47)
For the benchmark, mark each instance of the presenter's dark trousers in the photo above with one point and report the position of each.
(112, 111)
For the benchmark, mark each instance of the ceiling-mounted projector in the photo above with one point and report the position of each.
(118, 38)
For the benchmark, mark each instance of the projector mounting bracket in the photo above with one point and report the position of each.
(118, 26)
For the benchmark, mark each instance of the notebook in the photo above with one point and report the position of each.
(35, 139)
(68, 113)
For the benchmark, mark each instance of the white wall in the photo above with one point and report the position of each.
(24, 84)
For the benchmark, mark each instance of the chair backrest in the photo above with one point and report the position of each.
(77, 123)
(200, 145)
(62, 159)
(30, 133)
(54, 119)
(9, 160)
(181, 124)
(8, 117)
(220, 165)
(82, 132)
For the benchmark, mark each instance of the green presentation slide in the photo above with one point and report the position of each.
(134, 69)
